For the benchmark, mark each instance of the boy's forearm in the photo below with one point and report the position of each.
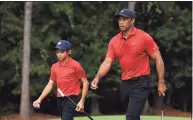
(45, 92)
(84, 91)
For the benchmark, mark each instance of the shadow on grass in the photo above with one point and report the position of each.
(121, 117)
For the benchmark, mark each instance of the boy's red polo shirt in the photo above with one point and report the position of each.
(132, 53)
(67, 76)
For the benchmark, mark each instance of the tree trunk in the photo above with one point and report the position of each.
(185, 105)
(157, 103)
(169, 97)
(25, 101)
(95, 106)
(146, 109)
(131, 5)
(166, 6)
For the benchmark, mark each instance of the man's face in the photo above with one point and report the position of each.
(125, 23)
(62, 55)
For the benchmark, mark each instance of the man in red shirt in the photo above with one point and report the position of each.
(68, 75)
(132, 47)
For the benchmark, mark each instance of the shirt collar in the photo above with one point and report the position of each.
(66, 62)
(133, 32)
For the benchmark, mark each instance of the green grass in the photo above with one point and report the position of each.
(121, 117)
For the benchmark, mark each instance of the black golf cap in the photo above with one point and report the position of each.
(63, 45)
(128, 13)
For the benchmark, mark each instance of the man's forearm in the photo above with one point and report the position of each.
(103, 70)
(46, 91)
(84, 90)
(160, 70)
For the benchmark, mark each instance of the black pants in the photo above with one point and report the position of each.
(66, 108)
(135, 92)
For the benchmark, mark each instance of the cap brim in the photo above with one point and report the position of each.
(121, 15)
(58, 47)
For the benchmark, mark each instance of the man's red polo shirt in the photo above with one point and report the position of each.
(132, 53)
(67, 76)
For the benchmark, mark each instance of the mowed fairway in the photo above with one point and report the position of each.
(117, 117)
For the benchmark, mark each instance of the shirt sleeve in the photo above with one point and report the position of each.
(52, 74)
(80, 71)
(151, 46)
(110, 51)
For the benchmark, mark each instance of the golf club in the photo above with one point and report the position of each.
(62, 94)
(162, 106)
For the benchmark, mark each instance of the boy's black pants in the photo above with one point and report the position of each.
(66, 108)
(135, 92)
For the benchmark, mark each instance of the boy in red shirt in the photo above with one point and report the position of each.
(68, 75)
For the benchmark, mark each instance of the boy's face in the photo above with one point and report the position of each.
(62, 55)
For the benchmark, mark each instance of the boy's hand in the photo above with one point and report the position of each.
(37, 103)
(80, 107)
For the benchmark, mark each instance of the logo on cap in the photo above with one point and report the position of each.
(59, 43)
(122, 11)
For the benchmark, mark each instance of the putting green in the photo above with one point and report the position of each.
(121, 117)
